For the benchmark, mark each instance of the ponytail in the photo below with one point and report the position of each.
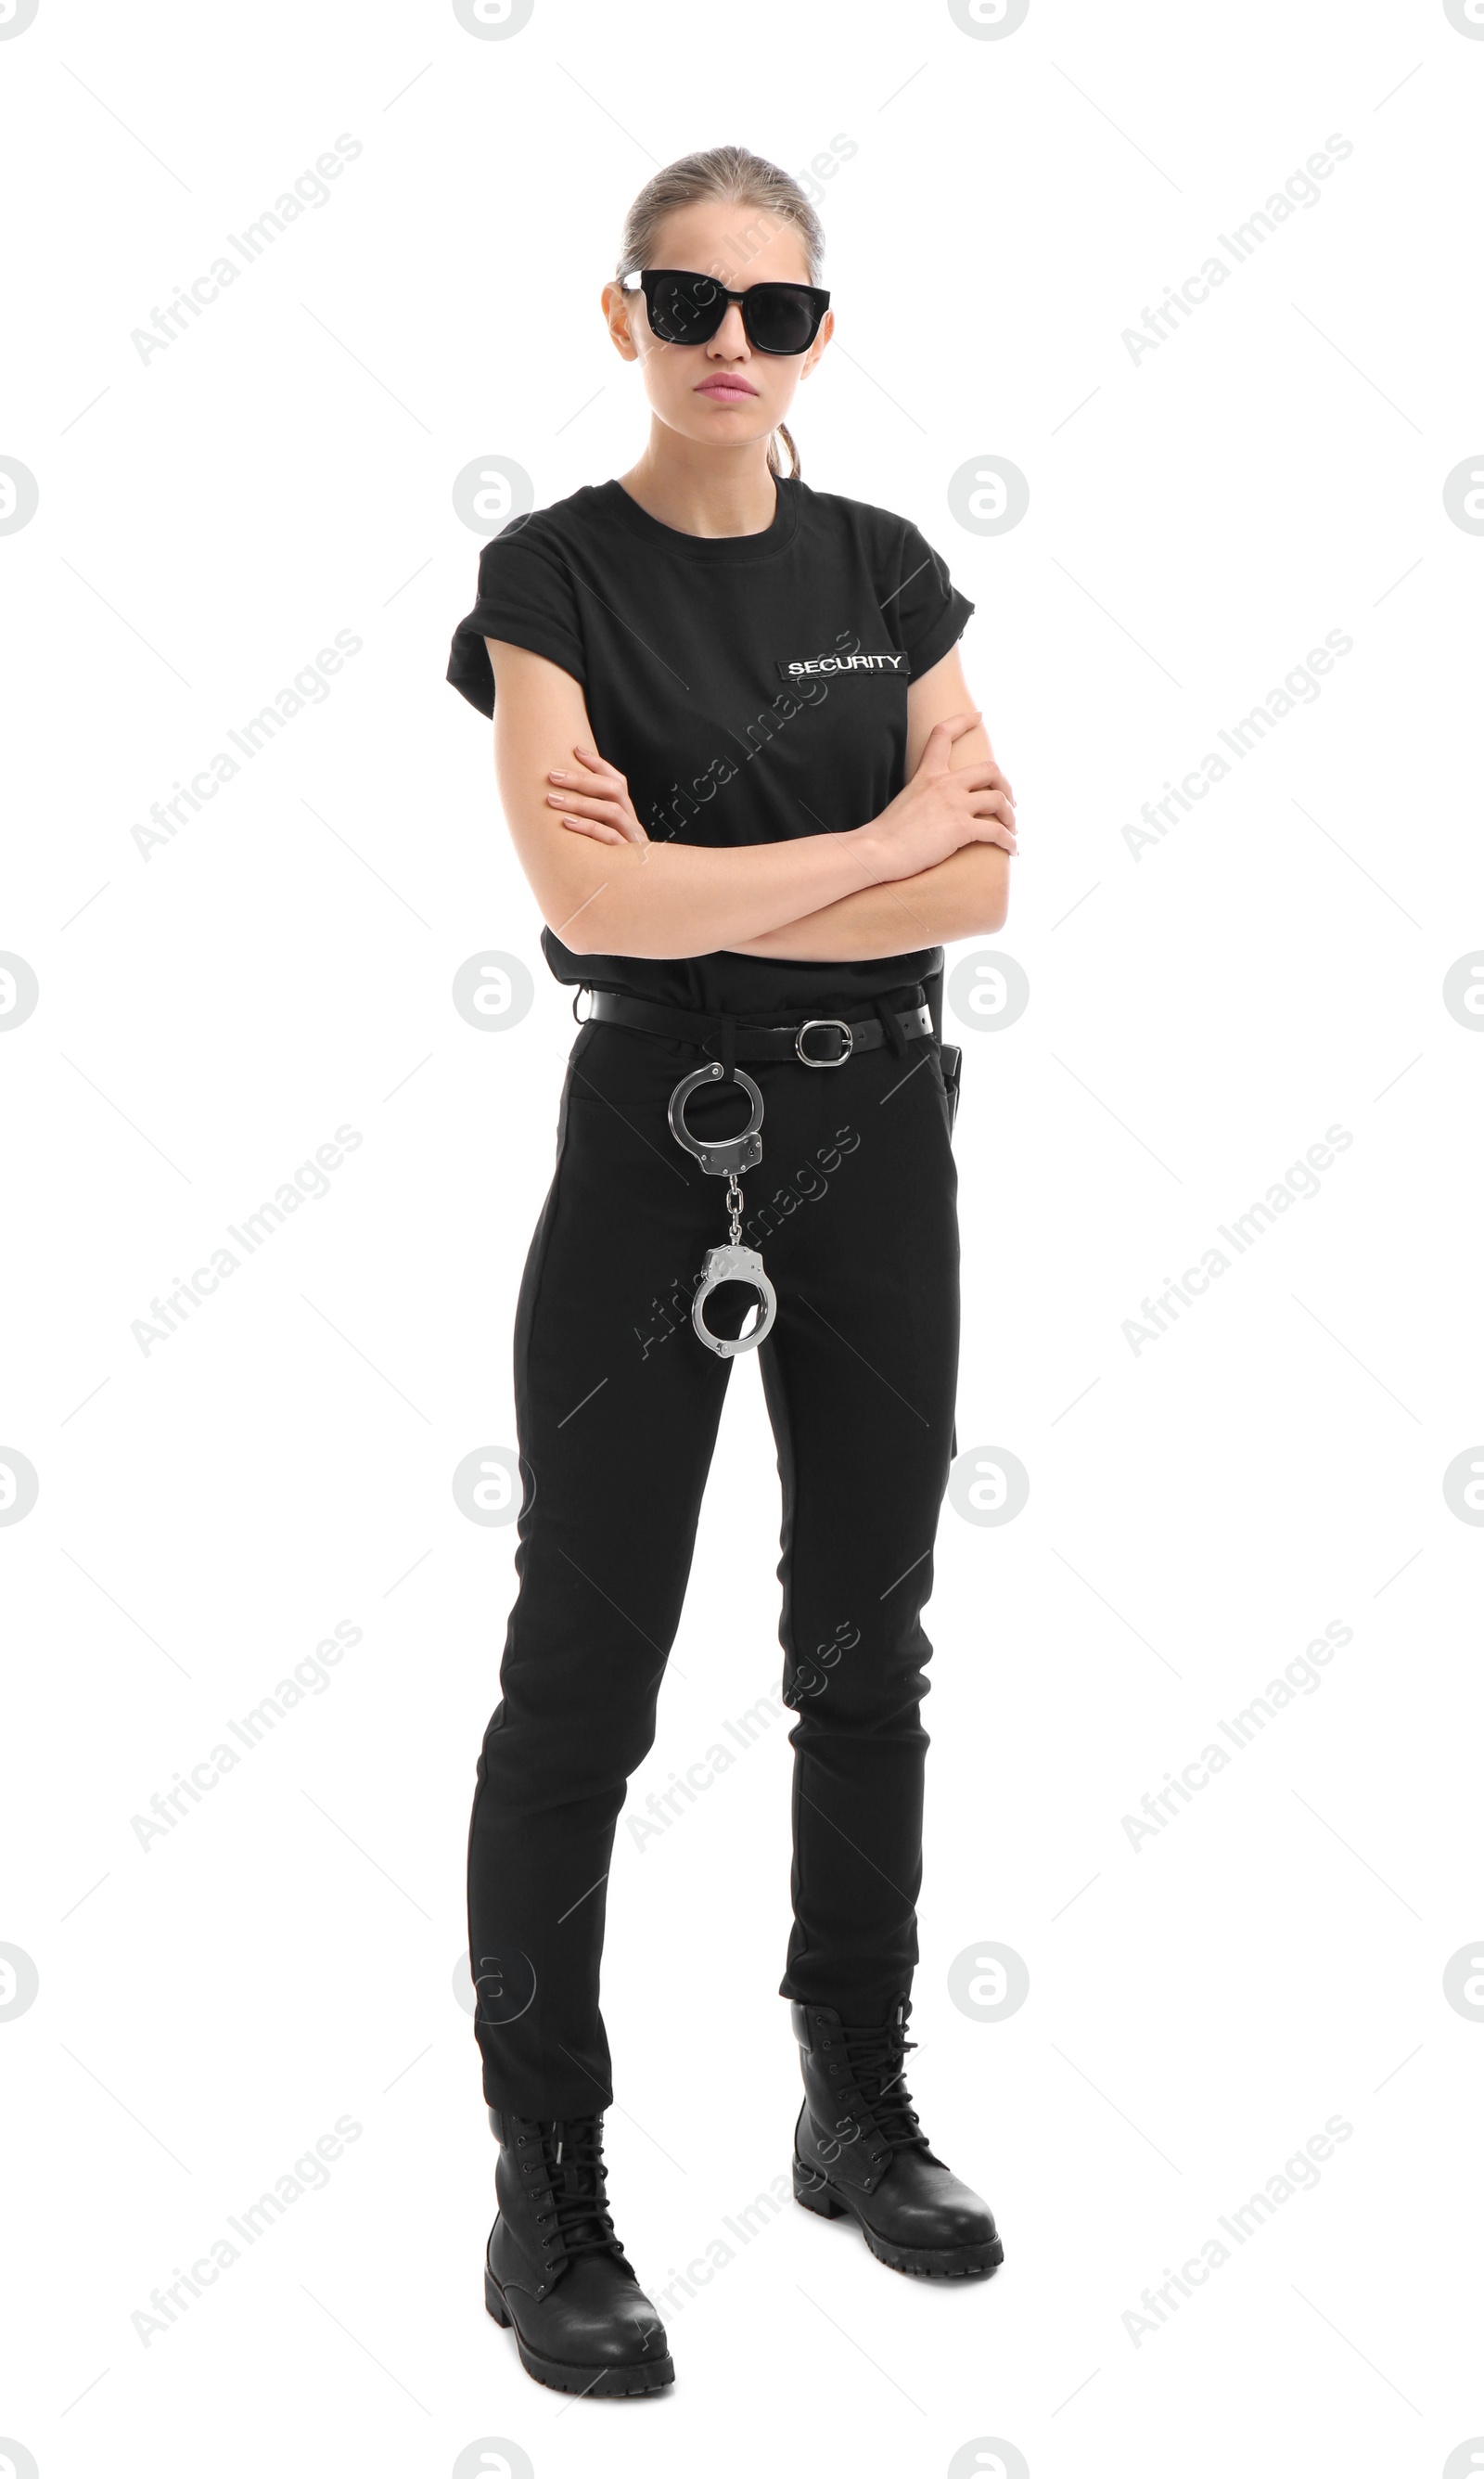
(784, 433)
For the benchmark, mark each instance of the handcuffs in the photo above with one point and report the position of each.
(725, 1157)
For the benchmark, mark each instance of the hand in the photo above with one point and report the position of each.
(942, 808)
(596, 801)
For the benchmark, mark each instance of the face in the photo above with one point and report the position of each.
(722, 393)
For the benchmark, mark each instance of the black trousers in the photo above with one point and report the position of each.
(618, 1404)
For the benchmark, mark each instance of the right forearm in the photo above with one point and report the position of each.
(671, 899)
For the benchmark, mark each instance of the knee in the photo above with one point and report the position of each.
(871, 1685)
(568, 1746)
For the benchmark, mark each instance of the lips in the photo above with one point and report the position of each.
(726, 390)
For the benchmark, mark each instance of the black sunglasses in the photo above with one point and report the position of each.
(686, 309)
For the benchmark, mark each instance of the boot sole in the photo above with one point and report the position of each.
(932, 2264)
(566, 2379)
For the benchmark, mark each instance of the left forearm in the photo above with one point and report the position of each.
(962, 897)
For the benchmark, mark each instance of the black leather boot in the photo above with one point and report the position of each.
(556, 2271)
(858, 2149)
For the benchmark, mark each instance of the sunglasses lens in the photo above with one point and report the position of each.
(685, 310)
(781, 318)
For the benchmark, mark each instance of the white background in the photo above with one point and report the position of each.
(1198, 1017)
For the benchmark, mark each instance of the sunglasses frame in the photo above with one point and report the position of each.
(817, 295)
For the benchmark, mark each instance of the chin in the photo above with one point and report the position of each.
(733, 425)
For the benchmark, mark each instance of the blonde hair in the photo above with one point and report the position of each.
(744, 180)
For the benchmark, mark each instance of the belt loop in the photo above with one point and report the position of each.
(932, 989)
(890, 1026)
(728, 1024)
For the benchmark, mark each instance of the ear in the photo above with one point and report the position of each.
(827, 331)
(617, 310)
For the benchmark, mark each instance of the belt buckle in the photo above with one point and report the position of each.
(814, 1022)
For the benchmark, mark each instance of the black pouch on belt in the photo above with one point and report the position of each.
(951, 1057)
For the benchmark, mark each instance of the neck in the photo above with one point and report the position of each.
(698, 490)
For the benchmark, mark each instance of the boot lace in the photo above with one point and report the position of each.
(578, 2218)
(877, 2067)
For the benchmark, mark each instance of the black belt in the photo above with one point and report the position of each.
(728, 1040)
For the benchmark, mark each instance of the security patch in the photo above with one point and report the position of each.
(832, 666)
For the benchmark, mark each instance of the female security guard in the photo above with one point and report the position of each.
(747, 785)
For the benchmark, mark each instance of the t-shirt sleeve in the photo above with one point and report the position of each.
(527, 597)
(927, 612)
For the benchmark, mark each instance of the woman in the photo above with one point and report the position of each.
(747, 785)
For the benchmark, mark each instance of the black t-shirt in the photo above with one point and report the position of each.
(749, 686)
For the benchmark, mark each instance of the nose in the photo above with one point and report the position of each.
(730, 340)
